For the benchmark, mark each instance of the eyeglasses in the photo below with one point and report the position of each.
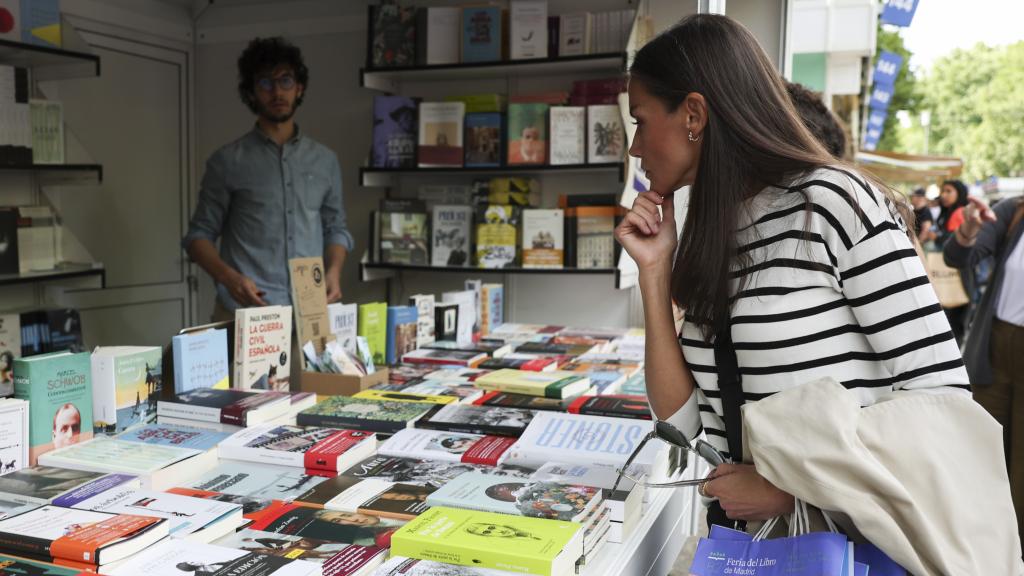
(282, 82)
(674, 437)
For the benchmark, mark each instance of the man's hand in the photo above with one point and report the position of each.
(333, 288)
(244, 291)
(746, 495)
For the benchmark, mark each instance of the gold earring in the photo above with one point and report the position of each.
(691, 137)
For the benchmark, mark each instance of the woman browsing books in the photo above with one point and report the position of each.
(791, 265)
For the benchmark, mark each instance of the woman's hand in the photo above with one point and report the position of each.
(649, 238)
(746, 495)
(976, 213)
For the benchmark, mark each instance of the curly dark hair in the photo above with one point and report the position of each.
(822, 123)
(263, 55)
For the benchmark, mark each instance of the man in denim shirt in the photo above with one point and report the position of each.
(272, 195)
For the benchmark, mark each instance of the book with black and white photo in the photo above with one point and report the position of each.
(175, 557)
(451, 232)
(494, 420)
(446, 321)
(335, 559)
(13, 435)
(536, 499)
(312, 448)
(343, 323)
(424, 304)
(228, 410)
(430, 473)
(447, 446)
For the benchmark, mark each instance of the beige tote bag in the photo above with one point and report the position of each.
(945, 281)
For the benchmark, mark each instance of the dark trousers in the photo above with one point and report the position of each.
(957, 321)
(1004, 400)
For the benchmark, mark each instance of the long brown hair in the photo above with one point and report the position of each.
(753, 138)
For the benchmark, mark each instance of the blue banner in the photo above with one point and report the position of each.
(871, 138)
(887, 68)
(899, 12)
(880, 97)
(876, 119)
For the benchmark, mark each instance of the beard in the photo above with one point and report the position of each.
(268, 113)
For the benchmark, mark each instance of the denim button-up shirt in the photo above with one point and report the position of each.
(268, 204)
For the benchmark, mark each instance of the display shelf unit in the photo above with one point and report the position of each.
(61, 173)
(384, 177)
(383, 271)
(63, 272)
(390, 79)
(49, 63)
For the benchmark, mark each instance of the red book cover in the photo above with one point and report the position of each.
(440, 155)
(488, 450)
(83, 544)
(236, 412)
(615, 406)
(323, 456)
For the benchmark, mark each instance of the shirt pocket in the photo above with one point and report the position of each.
(312, 190)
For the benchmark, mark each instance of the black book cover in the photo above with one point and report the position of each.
(495, 420)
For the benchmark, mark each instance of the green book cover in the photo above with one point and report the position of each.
(527, 133)
(489, 540)
(58, 387)
(480, 102)
(373, 325)
(362, 414)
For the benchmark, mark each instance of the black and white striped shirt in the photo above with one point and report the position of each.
(849, 298)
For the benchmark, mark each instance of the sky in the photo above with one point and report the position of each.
(940, 26)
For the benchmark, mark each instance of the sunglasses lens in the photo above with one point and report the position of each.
(670, 434)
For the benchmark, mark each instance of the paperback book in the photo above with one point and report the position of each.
(255, 481)
(335, 559)
(496, 236)
(373, 320)
(35, 486)
(528, 29)
(468, 314)
(394, 132)
(557, 384)
(481, 34)
(430, 473)
(543, 245)
(529, 402)
(527, 133)
(447, 446)
(568, 135)
(343, 320)
(483, 139)
(437, 35)
(358, 414)
(605, 135)
(10, 324)
(403, 238)
(487, 493)
(392, 36)
(577, 439)
(126, 383)
(440, 134)
(467, 358)
(317, 450)
(58, 388)
(323, 524)
(227, 407)
(446, 321)
(424, 304)
(263, 340)
(200, 360)
(495, 420)
(177, 436)
(612, 406)
(14, 435)
(175, 557)
(450, 230)
(380, 498)
(395, 396)
(401, 337)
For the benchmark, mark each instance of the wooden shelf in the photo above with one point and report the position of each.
(390, 79)
(386, 176)
(63, 272)
(61, 173)
(49, 63)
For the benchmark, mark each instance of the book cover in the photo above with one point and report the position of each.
(481, 34)
(343, 320)
(309, 447)
(9, 251)
(440, 134)
(558, 384)
(613, 406)
(492, 310)
(373, 318)
(496, 420)
(466, 300)
(185, 515)
(46, 484)
(381, 498)
(433, 473)
(10, 333)
(447, 446)
(595, 240)
(474, 285)
(358, 414)
(323, 524)
(58, 388)
(66, 534)
(394, 132)
(17, 566)
(552, 36)
(449, 194)
(577, 439)
(335, 559)
(519, 361)
(263, 341)
(487, 493)
(529, 402)
(568, 135)
(177, 436)
(401, 337)
(47, 131)
(106, 454)
(402, 566)
(200, 360)
(309, 303)
(403, 238)
(496, 238)
(234, 407)
(489, 346)
(543, 243)
(251, 506)
(40, 23)
(605, 135)
(488, 102)
(126, 383)
(63, 327)
(257, 481)
(14, 435)
(402, 396)
(446, 321)
(437, 35)
(574, 31)
(176, 557)
(528, 29)
(424, 304)
(527, 133)
(467, 358)
(392, 36)
(490, 540)
(483, 139)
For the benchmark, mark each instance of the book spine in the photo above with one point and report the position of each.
(512, 388)
(26, 545)
(187, 412)
(327, 421)
(409, 545)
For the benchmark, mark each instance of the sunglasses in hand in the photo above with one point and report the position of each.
(674, 437)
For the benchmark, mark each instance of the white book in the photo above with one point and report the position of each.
(528, 29)
(10, 349)
(605, 134)
(353, 497)
(451, 231)
(466, 301)
(13, 435)
(443, 34)
(440, 134)
(263, 348)
(476, 285)
(581, 439)
(176, 558)
(343, 320)
(305, 447)
(543, 238)
(126, 382)
(574, 33)
(424, 304)
(194, 519)
(568, 135)
(439, 445)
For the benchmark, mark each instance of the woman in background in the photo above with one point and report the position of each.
(952, 200)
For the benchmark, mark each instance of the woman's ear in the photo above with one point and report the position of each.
(695, 112)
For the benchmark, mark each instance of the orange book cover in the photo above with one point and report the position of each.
(83, 543)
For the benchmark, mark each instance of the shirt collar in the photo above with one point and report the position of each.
(295, 139)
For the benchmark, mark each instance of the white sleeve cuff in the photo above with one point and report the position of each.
(687, 418)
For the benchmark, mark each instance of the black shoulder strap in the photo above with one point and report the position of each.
(729, 384)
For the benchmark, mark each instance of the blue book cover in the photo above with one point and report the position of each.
(481, 34)
(483, 139)
(200, 360)
(169, 435)
(40, 22)
(394, 132)
(401, 332)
